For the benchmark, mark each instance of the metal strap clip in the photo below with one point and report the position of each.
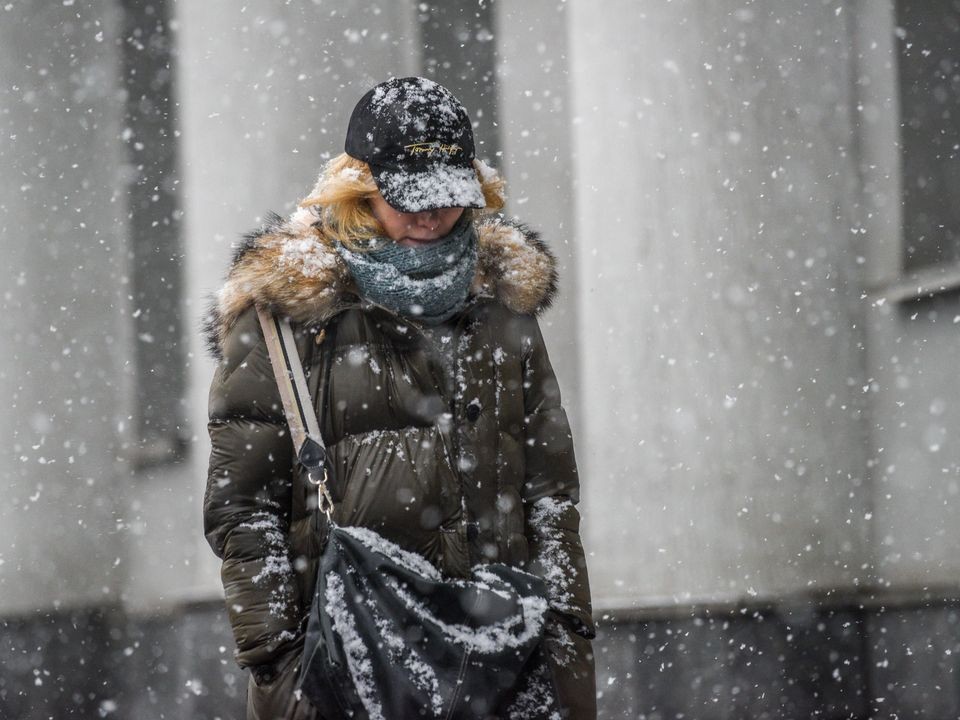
(324, 498)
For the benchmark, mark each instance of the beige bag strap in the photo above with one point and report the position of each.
(297, 406)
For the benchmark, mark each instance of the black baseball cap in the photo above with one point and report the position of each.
(417, 139)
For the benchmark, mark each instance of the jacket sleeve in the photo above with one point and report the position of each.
(246, 510)
(552, 489)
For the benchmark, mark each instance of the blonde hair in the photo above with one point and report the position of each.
(346, 185)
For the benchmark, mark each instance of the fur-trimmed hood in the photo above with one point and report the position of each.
(286, 267)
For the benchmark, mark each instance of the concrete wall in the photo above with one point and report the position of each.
(720, 320)
(66, 420)
(914, 349)
(913, 344)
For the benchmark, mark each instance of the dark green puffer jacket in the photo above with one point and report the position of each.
(485, 473)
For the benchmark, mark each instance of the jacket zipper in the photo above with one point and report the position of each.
(451, 445)
(457, 335)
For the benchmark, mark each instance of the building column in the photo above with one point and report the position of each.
(720, 321)
(65, 372)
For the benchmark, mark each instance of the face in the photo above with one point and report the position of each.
(414, 229)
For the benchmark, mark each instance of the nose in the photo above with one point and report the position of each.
(427, 219)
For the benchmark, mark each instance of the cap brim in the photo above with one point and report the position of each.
(440, 186)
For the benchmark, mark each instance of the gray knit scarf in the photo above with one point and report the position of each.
(429, 284)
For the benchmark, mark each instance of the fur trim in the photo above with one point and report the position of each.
(515, 266)
(286, 267)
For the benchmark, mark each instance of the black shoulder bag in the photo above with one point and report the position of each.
(388, 637)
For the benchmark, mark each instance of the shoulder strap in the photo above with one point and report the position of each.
(301, 416)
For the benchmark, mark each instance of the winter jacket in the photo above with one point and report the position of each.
(485, 473)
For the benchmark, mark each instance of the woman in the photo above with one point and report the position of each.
(414, 309)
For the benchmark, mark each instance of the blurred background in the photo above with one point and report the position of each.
(755, 207)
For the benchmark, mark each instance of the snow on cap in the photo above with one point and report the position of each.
(417, 139)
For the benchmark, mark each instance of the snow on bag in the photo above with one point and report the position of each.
(388, 637)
